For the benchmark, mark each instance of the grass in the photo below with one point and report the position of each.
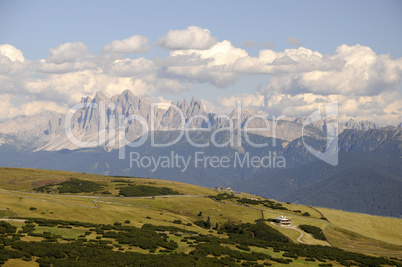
(352, 241)
(65, 233)
(26, 179)
(21, 263)
(162, 211)
(309, 239)
(381, 228)
(270, 252)
(292, 234)
(6, 213)
(351, 231)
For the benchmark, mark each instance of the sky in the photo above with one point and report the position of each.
(280, 57)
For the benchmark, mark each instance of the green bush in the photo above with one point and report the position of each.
(145, 190)
(313, 230)
(72, 186)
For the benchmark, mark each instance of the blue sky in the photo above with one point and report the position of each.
(34, 27)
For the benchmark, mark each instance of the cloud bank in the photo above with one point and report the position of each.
(298, 80)
(134, 44)
(193, 37)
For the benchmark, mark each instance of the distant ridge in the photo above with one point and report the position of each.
(45, 131)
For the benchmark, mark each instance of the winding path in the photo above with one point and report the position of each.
(294, 227)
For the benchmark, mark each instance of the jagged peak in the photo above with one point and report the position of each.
(127, 96)
(185, 105)
(86, 99)
(100, 95)
(127, 92)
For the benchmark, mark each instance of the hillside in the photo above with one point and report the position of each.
(150, 220)
(358, 189)
(362, 182)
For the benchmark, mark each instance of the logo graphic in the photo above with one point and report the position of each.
(328, 114)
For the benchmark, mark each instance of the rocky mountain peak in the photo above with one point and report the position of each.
(361, 125)
(126, 97)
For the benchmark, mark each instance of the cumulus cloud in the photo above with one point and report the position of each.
(297, 80)
(11, 53)
(9, 110)
(352, 70)
(73, 86)
(134, 44)
(11, 61)
(384, 108)
(68, 52)
(294, 41)
(214, 65)
(247, 100)
(129, 67)
(193, 37)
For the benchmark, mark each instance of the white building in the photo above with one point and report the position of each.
(283, 221)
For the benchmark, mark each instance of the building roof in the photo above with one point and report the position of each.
(282, 218)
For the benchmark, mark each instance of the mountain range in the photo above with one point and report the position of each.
(367, 177)
(46, 130)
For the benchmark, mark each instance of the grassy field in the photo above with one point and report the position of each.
(380, 228)
(20, 263)
(351, 231)
(352, 241)
(27, 179)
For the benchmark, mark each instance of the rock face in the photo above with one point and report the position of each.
(107, 122)
(362, 125)
(350, 124)
(380, 140)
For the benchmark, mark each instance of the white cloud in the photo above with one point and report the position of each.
(129, 67)
(44, 66)
(68, 52)
(35, 107)
(214, 65)
(134, 44)
(247, 101)
(364, 73)
(9, 110)
(193, 37)
(11, 53)
(297, 79)
(383, 108)
(75, 85)
(352, 70)
(11, 60)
